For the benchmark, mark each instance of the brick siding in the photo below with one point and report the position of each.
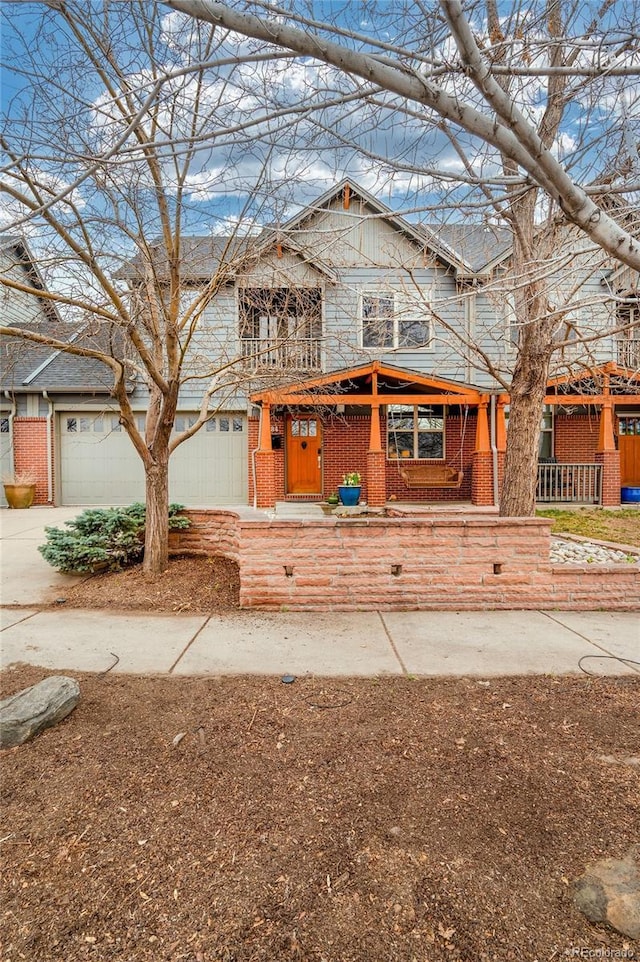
(576, 438)
(345, 447)
(30, 453)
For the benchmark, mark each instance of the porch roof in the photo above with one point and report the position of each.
(372, 383)
(606, 382)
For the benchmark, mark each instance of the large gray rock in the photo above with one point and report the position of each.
(609, 891)
(24, 715)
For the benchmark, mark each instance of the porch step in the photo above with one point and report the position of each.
(300, 509)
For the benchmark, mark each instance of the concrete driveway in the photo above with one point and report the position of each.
(25, 577)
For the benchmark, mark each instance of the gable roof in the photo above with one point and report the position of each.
(360, 381)
(28, 367)
(349, 190)
(202, 257)
(609, 378)
(477, 246)
(15, 251)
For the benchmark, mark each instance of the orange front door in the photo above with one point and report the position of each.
(304, 454)
(629, 446)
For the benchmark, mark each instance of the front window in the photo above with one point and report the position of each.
(415, 432)
(390, 319)
(545, 447)
(377, 320)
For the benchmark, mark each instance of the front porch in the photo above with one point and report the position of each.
(378, 420)
(375, 420)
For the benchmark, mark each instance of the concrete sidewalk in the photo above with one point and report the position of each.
(478, 643)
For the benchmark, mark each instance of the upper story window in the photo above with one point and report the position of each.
(391, 319)
(510, 318)
(281, 327)
(415, 431)
(276, 313)
(628, 336)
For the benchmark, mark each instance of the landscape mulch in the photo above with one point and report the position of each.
(369, 820)
(191, 583)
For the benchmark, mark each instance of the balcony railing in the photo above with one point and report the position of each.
(299, 354)
(572, 483)
(629, 352)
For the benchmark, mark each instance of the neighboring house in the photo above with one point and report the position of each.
(353, 329)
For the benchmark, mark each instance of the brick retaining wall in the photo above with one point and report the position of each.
(405, 563)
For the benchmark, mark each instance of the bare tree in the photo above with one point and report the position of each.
(114, 151)
(539, 103)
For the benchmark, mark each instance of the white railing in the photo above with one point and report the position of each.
(300, 354)
(575, 483)
(629, 352)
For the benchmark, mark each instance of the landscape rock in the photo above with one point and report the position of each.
(29, 711)
(609, 891)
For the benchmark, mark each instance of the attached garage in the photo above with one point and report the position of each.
(98, 464)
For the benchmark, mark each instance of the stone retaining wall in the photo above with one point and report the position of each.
(404, 563)
(211, 533)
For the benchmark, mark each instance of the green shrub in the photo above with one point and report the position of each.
(105, 538)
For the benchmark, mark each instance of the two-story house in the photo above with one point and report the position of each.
(359, 341)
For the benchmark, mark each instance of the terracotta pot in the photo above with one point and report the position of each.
(19, 495)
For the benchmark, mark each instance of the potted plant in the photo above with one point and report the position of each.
(350, 488)
(19, 489)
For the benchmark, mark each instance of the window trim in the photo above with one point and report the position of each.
(397, 296)
(416, 432)
(547, 429)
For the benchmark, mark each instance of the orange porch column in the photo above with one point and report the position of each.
(482, 480)
(501, 438)
(376, 464)
(265, 463)
(609, 457)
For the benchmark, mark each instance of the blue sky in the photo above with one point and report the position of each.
(285, 166)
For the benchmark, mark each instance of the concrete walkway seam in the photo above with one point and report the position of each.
(393, 645)
(189, 643)
(628, 662)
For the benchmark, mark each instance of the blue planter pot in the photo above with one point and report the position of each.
(630, 494)
(349, 494)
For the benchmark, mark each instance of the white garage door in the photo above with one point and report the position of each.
(211, 467)
(98, 464)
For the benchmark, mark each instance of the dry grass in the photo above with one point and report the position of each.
(620, 526)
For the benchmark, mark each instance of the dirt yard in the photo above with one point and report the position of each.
(389, 820)
(190, 584)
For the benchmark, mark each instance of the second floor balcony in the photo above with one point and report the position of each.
(275, 354)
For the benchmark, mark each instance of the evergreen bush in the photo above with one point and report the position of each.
(105, 538)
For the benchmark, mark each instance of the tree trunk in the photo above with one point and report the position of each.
(528, 390)
(156, 538)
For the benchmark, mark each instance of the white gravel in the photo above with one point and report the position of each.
(586, 552)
